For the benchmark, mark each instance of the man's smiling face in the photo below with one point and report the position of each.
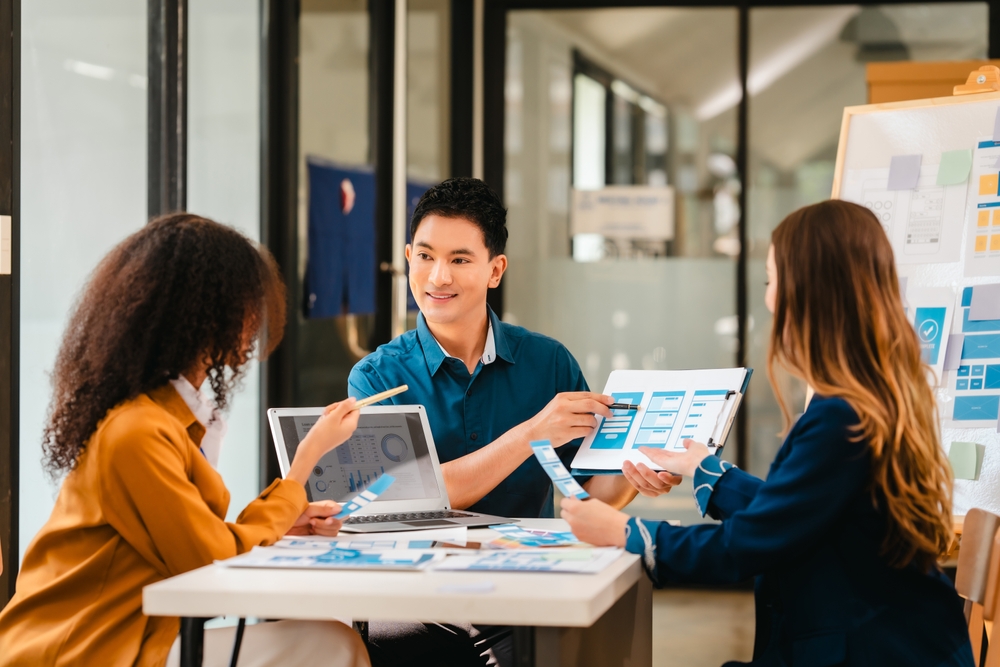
(451, 268)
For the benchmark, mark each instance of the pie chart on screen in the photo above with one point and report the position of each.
(394, 447)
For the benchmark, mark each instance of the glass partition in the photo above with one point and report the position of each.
(224, 183)
(83, 187)
(806, 65)
(633, 97)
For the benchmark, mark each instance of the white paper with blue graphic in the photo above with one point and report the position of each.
(555, 469)
(335, 559)
(569, 561)
(673, 406)
(930, 311)
(972, 396)
(374, 490)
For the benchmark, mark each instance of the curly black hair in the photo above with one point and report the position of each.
(180, 292)
(467, 198)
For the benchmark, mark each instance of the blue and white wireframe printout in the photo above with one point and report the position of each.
(974, 386)
(555, 469)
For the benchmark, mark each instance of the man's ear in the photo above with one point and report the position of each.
(499, 265)
(407, 251)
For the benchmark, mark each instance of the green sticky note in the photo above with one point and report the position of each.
(962, 457)
(955, 167)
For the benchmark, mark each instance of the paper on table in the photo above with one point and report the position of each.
(904, 172)
(517, 537)
(985, 303)
(335, 559)
(962, 456)
(570, 561)
(955, 166)
(556, 471)
(423, 539)
(374, 490)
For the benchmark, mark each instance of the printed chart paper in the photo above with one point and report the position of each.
(516, 537)
(571, 561)
(924, 224)
(334, 559)
(982, 257)
(425, 539)
(374, 490)
(556, 471)
(974, 386)
(673, 406)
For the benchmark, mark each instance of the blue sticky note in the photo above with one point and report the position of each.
(962, 385)
(976, 383)
(904, 172)
(374, 490)
(955, 167)
(554, 468)
(929, 323)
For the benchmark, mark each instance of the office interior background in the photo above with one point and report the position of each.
(112, 111)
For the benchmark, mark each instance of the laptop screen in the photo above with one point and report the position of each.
(383, 443)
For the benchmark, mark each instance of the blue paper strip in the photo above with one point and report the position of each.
(555, 469)
(376, 489)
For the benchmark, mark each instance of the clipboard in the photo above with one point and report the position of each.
(673, 406)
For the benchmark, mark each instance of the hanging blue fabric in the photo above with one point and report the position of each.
(341, 269)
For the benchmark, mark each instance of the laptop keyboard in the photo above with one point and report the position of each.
(406, 516)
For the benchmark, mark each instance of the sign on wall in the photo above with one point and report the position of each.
(625, 211)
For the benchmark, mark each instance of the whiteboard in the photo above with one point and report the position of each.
(870, 136)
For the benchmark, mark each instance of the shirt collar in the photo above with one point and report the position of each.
(435, 354)
(166, 397)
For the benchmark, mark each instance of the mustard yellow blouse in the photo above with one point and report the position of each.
(142, 505)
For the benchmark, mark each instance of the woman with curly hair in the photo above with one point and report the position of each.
(181, 301)
(844, 535)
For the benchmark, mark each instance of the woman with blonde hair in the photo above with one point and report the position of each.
(844, 536)
(180, 302)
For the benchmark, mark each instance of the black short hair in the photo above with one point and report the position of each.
(467, 198)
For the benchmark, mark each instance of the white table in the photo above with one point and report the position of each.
(563, 619)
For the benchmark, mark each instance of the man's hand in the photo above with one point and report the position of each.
(595, 522)
(647, 481)
(318, 520)
(568, 416)
(682, 463)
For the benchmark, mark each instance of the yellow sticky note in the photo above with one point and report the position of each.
(995, 243)
(989, 184)
(996, 219)
(981, 243)
(984, 219)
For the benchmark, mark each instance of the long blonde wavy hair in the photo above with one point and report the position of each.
(839, 324)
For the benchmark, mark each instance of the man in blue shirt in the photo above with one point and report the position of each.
(490, 388)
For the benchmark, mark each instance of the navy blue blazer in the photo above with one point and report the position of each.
(811, 535)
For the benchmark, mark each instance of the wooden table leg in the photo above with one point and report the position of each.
(192, 641)
(622, 637)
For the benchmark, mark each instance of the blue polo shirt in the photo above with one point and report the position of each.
(468, 412)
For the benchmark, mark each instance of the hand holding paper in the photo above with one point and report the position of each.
(647, 481)
(568, 416)
(682, 463)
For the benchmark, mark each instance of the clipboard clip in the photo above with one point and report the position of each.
(986, 79)
(711, 441)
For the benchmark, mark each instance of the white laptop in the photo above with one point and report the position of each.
(394, 439)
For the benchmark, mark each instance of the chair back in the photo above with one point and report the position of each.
(977, 576)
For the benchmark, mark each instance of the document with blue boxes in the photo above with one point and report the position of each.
(975, 383)
(669, 408)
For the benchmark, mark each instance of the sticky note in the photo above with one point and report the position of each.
(983, 219)
(904, 171)
(996, 219)
(989, 183)
(953, 353)
(981, 243)
(556, 471)
(955, 167)
(995, 243)
(962, 456)
(374, 490)
(985, 301)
